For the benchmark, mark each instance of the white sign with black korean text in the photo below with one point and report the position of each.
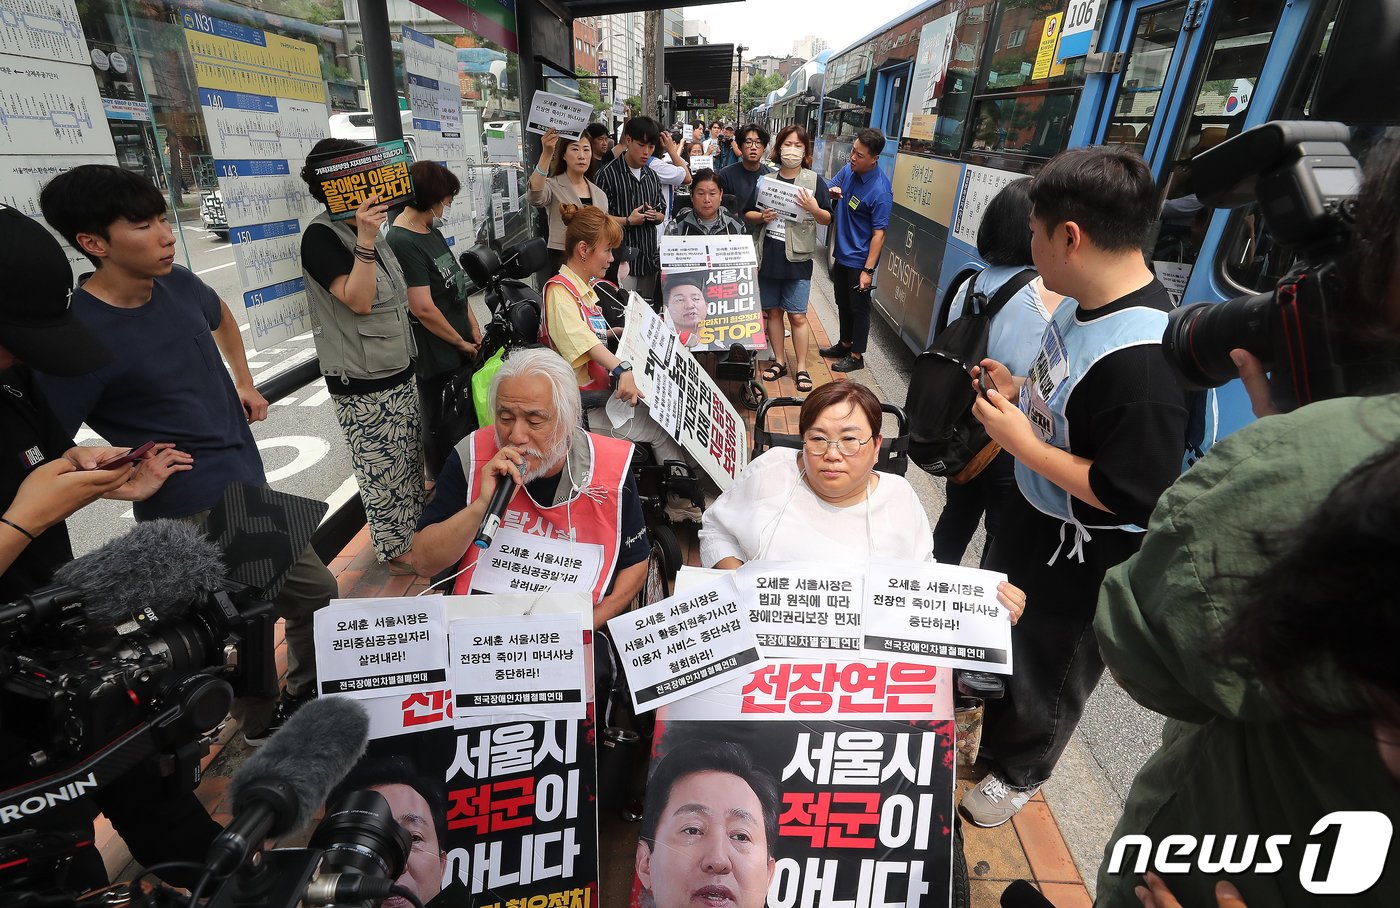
(939, 613)
(979, 186)
(782, 198)
(367, 648)
(696, 413)
(567, 116)
(696, 253)
(687, 643)
(521, 562)
(699, 162)
(529, 665)
(803, 609)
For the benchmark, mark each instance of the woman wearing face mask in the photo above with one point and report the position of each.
(785, 252)
(444, 328)
(561, 178)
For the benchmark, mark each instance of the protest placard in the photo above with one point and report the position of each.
(567, 116)
(709, 292)
(684, 644)
(936, 612)
(348, 179)
(707, 425)
(699, 162)
(533, 664)
(803, 609)
(850, 763)
(366, 648)
(514, 795)
(782, 198)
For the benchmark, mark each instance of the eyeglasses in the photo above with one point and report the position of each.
(848, 445)
(758, 142)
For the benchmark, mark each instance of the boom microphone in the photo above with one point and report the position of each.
(279, 788)
(495, 511)
(152, 573)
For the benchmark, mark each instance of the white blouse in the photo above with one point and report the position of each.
(771, 514)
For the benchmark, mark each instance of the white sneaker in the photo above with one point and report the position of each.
(992, 802)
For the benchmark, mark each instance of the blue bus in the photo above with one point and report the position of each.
(972, 94)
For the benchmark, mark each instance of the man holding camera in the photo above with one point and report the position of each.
(1099, 434)
(44, 479)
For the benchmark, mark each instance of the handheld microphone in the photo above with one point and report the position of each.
(153, 573)
(280, 787)
(495, 511)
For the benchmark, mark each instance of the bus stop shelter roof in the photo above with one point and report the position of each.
(580, 8)
(701, 69)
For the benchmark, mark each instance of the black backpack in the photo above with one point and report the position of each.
(945, 439)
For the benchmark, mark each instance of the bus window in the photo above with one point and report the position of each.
(1022, 124)
(969, 39)
(1015, 51)
(1144, 77)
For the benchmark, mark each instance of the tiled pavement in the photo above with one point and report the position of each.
(1029, 847)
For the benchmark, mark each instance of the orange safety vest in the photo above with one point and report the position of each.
(595, 518)
(593, 317)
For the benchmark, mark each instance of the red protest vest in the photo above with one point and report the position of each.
(595, 519)
(600, 379)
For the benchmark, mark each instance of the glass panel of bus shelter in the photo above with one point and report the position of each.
(1244, 30)
(1144, 77)
(1253, 262)
(1016, 63)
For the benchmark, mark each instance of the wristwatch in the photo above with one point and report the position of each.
(869, 271)
(620, 368)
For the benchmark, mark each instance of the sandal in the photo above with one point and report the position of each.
(775, 372)
(804, 381)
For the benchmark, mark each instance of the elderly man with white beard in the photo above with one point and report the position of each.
(575, 520)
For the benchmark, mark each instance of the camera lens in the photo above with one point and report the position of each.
(360, 835)
(1199, 338)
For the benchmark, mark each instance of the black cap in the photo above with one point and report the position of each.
(37, 324)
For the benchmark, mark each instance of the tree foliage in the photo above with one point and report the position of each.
(755, 91)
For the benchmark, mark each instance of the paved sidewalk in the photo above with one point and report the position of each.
(1031, 847)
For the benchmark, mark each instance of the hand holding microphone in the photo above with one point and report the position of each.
(504, 472)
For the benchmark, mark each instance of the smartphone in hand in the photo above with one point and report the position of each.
(129, 457)
(985, 383)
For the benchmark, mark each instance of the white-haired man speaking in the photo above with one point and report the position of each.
(575, 521)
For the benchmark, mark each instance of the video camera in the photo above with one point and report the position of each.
(515, 306)
(1305, 180)
(132, 657)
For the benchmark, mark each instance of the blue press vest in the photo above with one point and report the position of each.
(1068, 350)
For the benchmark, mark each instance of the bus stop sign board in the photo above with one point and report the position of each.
(1081, 18)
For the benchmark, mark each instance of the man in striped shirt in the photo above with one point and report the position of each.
(635, 200)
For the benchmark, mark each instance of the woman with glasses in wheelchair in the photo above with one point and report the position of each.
(826, 502)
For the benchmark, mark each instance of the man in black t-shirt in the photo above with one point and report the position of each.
(1098, 435)
(44, 479)
(741, 179)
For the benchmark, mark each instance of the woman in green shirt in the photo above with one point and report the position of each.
(446, 332)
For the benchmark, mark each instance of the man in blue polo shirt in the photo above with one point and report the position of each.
(865, 197)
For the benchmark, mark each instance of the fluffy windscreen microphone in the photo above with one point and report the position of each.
(163, 565)
(155, 572)
(278, 789)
